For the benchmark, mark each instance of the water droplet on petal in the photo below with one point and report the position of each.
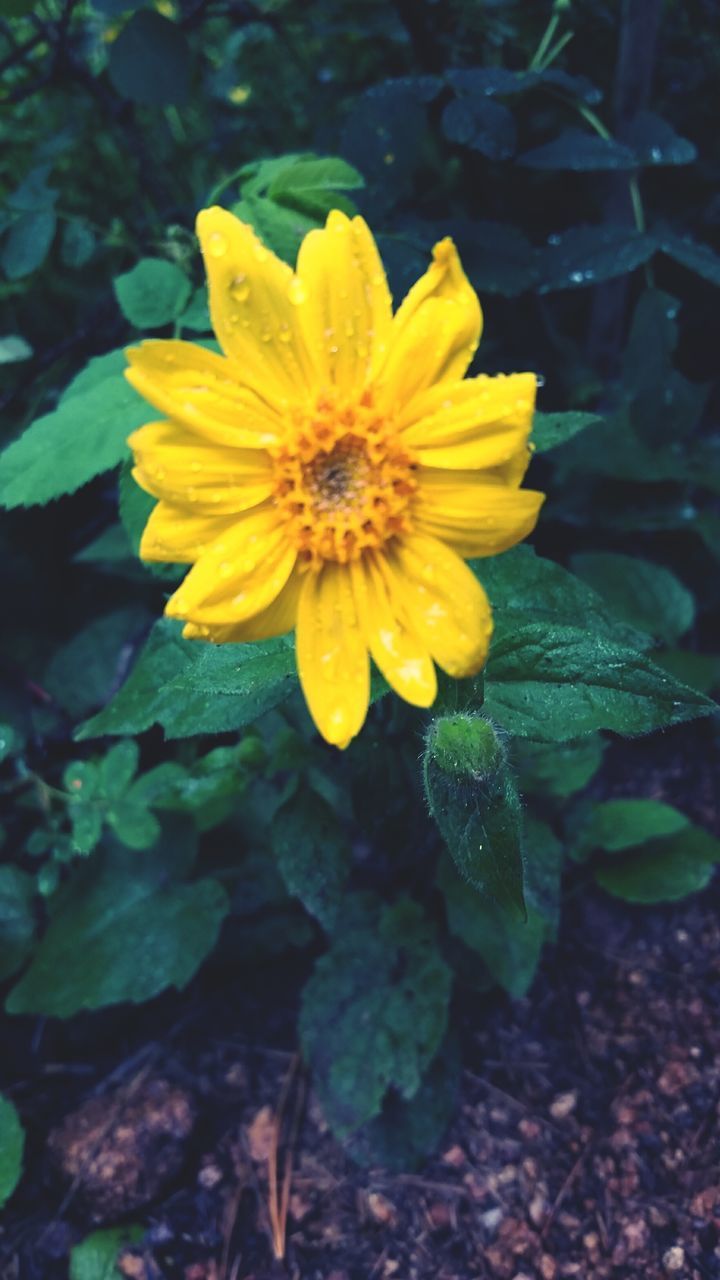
(297, 293)
(217, 245)
(239, 288)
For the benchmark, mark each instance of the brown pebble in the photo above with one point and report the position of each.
(548, 1267)
(380, 1208)
(121, 1149)
(563, 1105)
(674, 1259)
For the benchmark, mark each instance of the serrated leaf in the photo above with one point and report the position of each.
(190, 687)
(149, 62)
(281, 229)
(586, 256)
(312, 853)
(61, 451)
(525, 588)
(374, 1013)
(311, 185)
(407, 1131)
(552, 683)
(12, 1146)
(153, 293)
(552, 429)
(663, 870)
(124, 929)
(17, 919)
(645, 595)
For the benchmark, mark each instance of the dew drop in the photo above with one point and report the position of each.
(239, 288)
(540, 379)
(297, 293)
(577, 277)
(217, 245)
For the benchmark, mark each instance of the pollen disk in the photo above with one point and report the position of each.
(343, 480)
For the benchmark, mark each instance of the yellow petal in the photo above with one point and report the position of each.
(276, 620)
(476, 518)
(441, 601)
(398, 654)
(173, 464)
(255, 305)
(332, 654)
(349, 309)
(435, 332)
(201, 390)
(175, 534)
(239, 574)
(480, 422)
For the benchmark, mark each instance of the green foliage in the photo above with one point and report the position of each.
(17, 919)
(12, 1145)
(646, 595)
(95, 1257)
(153, 293)
(312, 854)
(84, 436)
(150, 61)
(123, 928)
(374, 1012)
(191, 688)
(285, 198)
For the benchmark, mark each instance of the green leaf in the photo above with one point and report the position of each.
(552, 429)
(586, 256)
(87, 824)
(698, 670)
(133, 824)
(191, 687)
(17, 919)
(663, 870)
(77, 243)
(153, 293)
(196, 316)
(374, 1013)
(117, 770)
(615, 825)
(483, 125)
(282, 230)
(27, 243)
(509, 947)
(311, 185)
(14, 349)
(644, 594)
(95, 1257)
(312, 853)
(558, 769)
(150, 61)
(475, 803)
(82, 673)
(499, 258)
(407, 1131)
(524, 588)
(12, 1146)
(655, 142)
(84, 436)
(699, 258)
(576, 149)
(124, 928)
(552, 683)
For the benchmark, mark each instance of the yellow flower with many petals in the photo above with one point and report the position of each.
(331, 471)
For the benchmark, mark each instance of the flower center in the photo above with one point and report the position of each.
(343, 480)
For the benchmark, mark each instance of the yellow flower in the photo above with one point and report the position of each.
(330, 471)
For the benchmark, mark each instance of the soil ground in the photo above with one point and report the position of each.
(586, 1140)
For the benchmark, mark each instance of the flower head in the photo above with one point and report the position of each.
(331, 471)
